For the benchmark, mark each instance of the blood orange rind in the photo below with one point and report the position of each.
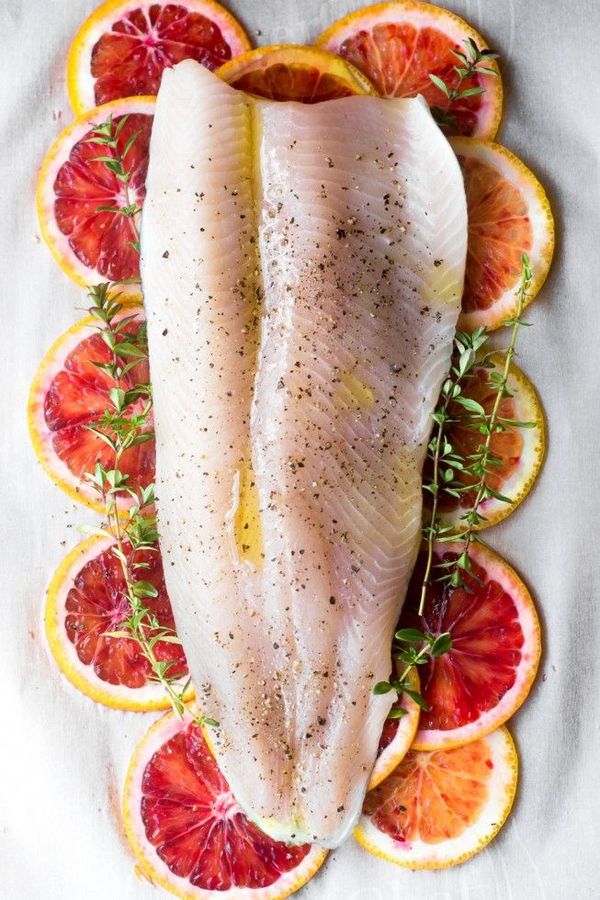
(81, 83)
(499, 571)
(405, 730)
(535, 210)
(496, 785)
(83, 677)
(57, 155)
(259, 70)
(524, 470)
(167, 727)
(40, 434)
(419, 15)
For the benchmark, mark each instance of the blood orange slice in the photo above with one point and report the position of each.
(441, 807)
(399, 45)
(397, 735)
(85, 600)
(123, 47)
(187, 831)
(69, 393)
(486, 676)
(519, 452)
(291, 72)
(76, 193)
(509, 214)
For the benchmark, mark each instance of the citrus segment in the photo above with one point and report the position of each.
(291, 72)
(518, 452)
(397, 734)
(509, 214)
(487, 674)
(441, 807)
(123, 47)
(399, 45)
(69, 393)
(85, 600)
(187, 831)
(79, 197)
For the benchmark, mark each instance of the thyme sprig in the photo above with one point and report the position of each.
(447, 466)
(107, 134)
(446, 462)
(482, 462)
(124, 424)
(413, 648)
(476, 468)
(471, 62)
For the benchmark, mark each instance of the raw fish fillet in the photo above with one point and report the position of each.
(302, 270)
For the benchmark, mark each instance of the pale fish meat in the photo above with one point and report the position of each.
(302, 270)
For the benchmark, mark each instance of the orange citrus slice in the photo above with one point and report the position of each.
(399, 45)
(509, 214)
(292, 72)
(518, 452)
(76, 193)
(85, 600)
(69, 393)
(187, 831)
(440, 807)
(123, 47)
(397, 735)
(487, 674)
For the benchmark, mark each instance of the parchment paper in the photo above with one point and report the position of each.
(63, 758)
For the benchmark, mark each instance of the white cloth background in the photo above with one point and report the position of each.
(62, 757)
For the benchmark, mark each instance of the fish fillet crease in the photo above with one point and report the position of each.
(302, 268)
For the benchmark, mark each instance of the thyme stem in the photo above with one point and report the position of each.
(492, 426)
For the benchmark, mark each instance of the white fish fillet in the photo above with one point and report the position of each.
(302, 272)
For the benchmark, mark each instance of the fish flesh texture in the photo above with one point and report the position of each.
(302, 268)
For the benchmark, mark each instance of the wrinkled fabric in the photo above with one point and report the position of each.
(62, 758)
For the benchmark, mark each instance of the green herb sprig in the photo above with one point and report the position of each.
(447, 465)
(413, 648)
(107, 135)
(471, 62)
(126, 423)
(482, 462)
(446, 462)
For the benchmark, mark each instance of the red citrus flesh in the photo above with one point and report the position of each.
(96, 603)
(103, 240)
(432, 801)
(500, 231)
(192, 819)
(130, 58)
(390, 726)
(388, 734)
(294, 81)
(487, 642)
(398, 58)
(77, 397)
